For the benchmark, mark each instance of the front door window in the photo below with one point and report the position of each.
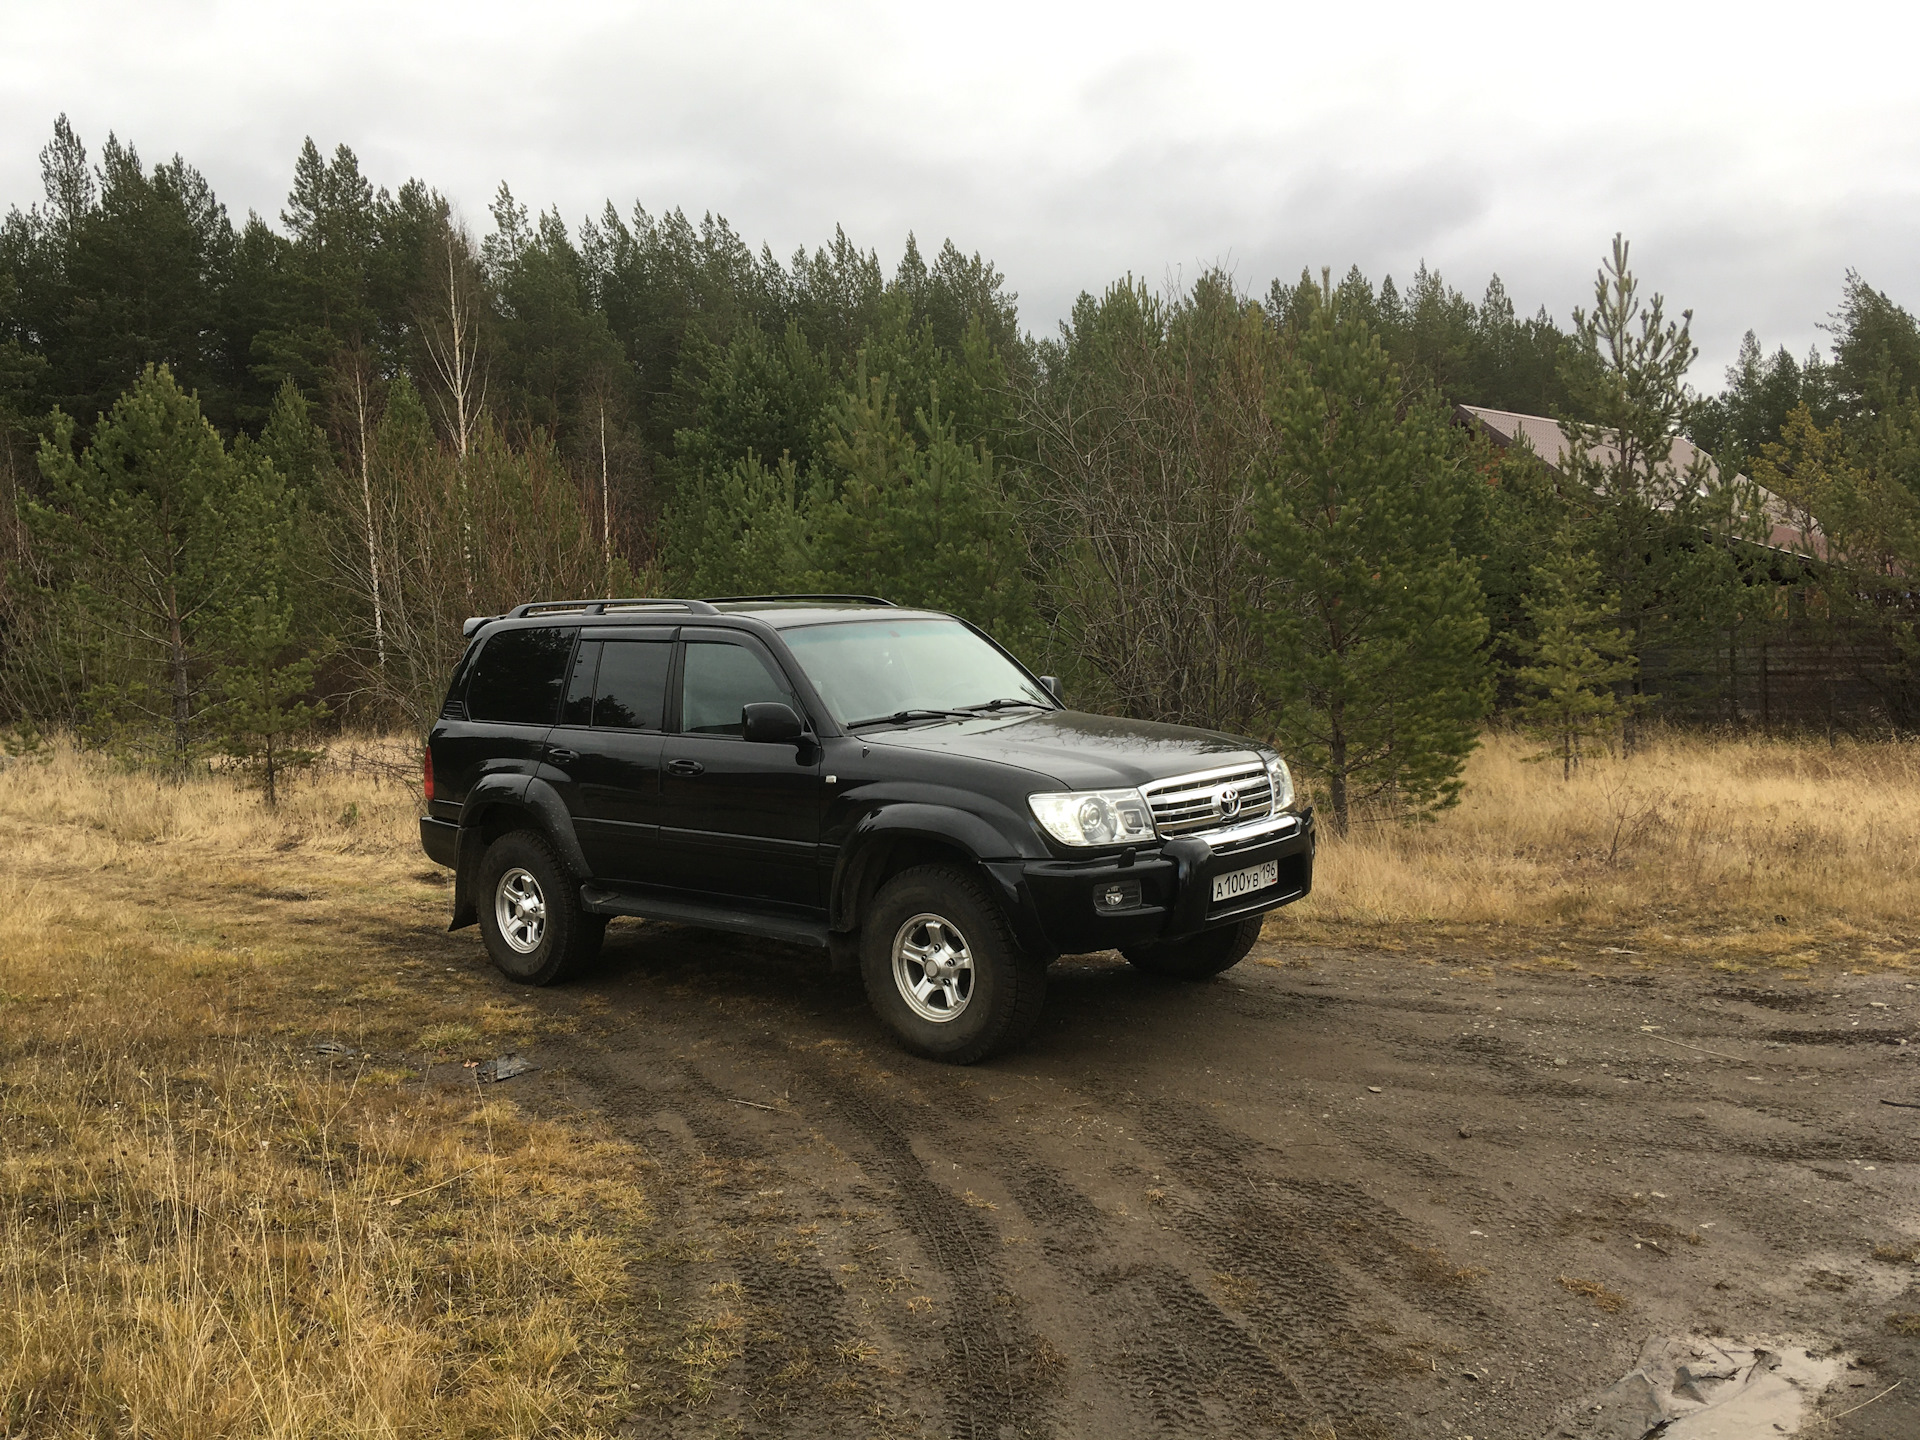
(720, 679)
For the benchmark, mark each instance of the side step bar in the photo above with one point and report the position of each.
(601, 900)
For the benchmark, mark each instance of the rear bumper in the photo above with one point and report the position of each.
(1056, 902)
(441, 840)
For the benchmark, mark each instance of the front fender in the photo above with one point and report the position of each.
(872, 836)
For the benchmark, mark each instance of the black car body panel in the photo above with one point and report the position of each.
(681, 816)
(1078, 751)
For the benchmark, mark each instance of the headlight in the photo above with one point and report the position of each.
(1282, 779)
(1093, 817)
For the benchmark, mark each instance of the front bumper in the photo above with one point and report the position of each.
(1054, 901)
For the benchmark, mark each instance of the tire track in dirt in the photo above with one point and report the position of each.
(1313, 1263)
(800, 1324)
(1179, 1359)
(988, 1391)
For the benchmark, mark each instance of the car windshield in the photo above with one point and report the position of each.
(874, 669)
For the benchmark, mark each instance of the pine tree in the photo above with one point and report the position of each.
(1374, 627)
(1576, 658)
(748, 536)
(157, 535)
(1654, 526)
(261, 713)
(917, 516)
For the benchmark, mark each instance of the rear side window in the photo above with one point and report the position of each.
(455, 705)
(632, 690)
(721, 678)
(519, 676)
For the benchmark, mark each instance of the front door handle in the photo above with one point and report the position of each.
(562, 757)
(685, 767)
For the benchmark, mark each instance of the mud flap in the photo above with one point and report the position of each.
(843, 951)
(466, 866)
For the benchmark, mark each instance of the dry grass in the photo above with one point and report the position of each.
(1741, 851)
(210, 1228)
(1604, 1299)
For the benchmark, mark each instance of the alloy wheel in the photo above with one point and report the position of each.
(933, 967)
(520, 908)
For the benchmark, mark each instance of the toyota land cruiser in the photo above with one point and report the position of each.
(884, 783)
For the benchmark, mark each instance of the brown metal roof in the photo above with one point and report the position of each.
(1790, 528)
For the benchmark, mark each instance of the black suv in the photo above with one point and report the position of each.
(888, 784)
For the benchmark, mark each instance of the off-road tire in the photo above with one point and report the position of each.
(1007, 985)
(1199, 957)
(569, 937)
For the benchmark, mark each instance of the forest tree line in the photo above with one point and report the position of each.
(256, 473)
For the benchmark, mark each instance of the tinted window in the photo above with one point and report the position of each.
(519, 675)
(577, 708)
(455, 706)
(719, 680)
(632, 691)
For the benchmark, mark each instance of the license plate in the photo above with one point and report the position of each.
(1236, 883)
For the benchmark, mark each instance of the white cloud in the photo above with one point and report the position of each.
(1752, 155)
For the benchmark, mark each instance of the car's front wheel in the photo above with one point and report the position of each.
(943, 969)
(1199, 957)
(530, 913)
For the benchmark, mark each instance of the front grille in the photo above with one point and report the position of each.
(1188, 804)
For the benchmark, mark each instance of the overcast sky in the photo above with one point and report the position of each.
(1751, 153)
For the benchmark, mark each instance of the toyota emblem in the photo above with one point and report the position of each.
(1228, 801)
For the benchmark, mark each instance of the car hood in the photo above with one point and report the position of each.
(1077, 750)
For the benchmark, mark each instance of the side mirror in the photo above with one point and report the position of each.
(770, 723)
(1052, 682)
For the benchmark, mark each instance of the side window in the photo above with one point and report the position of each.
(577, 708)
(632, 692)
(719, 679)
(519, 676)
(455, 705)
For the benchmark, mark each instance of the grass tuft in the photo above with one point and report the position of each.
(1603, 1298)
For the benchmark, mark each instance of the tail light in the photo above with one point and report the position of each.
(426, 777)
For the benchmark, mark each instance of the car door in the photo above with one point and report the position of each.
(739, 818)
(608, 746)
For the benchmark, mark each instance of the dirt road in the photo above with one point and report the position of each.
(1329, 1194)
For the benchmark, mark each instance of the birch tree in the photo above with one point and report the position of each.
(450, 322)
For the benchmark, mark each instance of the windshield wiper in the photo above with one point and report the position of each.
(900, 717)
(1004, 704)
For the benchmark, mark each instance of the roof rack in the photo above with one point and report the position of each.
(839, 599)
(607, 607)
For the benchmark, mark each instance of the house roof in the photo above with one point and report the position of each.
(1789, 528)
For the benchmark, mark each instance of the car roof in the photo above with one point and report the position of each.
(792, 614)
(774, 612)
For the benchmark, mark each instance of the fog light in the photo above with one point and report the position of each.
(1117, 895)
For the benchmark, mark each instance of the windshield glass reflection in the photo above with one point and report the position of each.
(871, 669)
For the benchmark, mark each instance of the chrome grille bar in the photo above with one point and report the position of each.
(1210, 799)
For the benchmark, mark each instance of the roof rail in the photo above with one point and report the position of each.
(603, 607)
(843, 599)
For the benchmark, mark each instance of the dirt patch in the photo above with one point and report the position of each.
(1349, 1195)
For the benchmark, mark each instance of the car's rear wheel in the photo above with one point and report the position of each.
(1199, 957)
(530, 913)
(943, 969)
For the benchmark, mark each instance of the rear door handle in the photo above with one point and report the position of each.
(563, 757)
(685, 767)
